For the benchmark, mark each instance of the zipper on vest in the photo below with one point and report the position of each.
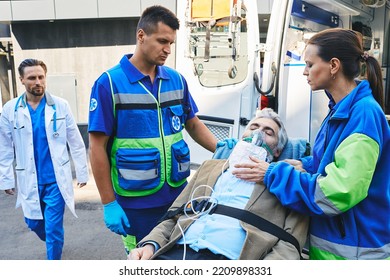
(341, 226)
(162, 130)
(160, 123)
(327, 120)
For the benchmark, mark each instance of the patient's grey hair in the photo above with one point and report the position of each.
(271, 114)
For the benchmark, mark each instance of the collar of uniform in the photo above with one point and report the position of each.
(134, 75)
(343, 107)
(49, 99)
(23, 104)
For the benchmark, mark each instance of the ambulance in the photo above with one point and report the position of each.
(241, 55)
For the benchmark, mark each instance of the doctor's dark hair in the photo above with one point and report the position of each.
(346, 45)
(268, 113)
(153, 15)
(30, 62)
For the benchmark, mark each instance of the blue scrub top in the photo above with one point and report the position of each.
(43, 163)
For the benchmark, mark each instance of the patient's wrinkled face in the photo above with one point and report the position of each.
(270, 129)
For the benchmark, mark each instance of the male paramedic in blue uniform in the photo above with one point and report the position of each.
(35, 130)
(138, 110)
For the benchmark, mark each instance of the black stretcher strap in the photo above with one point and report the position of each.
(256, 221)
(240, 214)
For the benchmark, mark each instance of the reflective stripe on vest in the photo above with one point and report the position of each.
(327, 250)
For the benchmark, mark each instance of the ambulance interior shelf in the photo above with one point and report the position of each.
(214, 35)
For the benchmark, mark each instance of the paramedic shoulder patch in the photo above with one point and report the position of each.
(93, 104)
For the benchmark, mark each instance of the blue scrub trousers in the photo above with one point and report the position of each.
(51, 228)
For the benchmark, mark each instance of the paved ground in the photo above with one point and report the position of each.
(86, 237)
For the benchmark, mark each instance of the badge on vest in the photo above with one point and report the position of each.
(176, 123)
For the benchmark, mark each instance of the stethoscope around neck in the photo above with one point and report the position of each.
(19, 126)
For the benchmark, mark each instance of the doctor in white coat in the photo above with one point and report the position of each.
(36, 130)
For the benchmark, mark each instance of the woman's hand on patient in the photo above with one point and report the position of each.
(296, 163)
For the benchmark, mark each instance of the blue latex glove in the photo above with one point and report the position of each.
(115, 218)
(230, 142)
(224, 148)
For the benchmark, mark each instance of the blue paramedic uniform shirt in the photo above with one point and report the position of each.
(219, 233)
(101, 119)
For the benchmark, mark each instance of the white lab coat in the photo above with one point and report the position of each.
(16, 131)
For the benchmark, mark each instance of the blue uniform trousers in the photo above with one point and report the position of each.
(51, 228)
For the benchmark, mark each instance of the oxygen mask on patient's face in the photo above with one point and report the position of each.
(251, 146)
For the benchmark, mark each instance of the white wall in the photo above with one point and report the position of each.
(87, 64)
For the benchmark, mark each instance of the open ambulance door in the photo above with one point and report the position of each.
(302, 110)
(220, 51)
(217, 53)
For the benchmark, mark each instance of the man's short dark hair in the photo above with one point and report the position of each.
(30, 62)
(153, 15)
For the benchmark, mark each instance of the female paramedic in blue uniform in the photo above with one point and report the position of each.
(36, 130)
(346, 186)
(138, 110)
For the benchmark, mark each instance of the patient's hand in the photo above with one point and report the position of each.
(143, 253)
(296, 163)
(253, 171)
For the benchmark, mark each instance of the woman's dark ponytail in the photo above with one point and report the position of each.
(374, 77)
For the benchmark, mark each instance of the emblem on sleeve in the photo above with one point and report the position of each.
(93, 104)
